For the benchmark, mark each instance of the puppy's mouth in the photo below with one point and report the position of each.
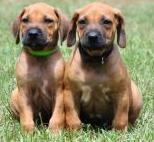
(96, 48)
(37, 44)
(95, 51)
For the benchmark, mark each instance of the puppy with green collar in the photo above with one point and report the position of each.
(40, 67)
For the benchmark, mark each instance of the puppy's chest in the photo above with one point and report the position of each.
(95, 94)
(40, 76)
(93, 85)
(43, 93)
(80, 75)
(41, 84)
(95, 101)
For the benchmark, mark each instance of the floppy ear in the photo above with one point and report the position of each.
(63, 25)
(71, 37)
(121, 35)
(16, 27)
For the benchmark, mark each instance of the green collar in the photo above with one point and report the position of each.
(43, 53)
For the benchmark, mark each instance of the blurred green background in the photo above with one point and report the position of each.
(138, 57)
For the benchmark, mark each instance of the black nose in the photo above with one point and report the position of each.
(34, 32)
(93, 36)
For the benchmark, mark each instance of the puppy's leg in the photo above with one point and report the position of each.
(21, 108)
(120, 120)
(136, 103)
(58, 117)
(72, 118)
(14, 103)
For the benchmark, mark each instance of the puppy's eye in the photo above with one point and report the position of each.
(106, 22)
(48, 20)
(82, 22)
(25, 20)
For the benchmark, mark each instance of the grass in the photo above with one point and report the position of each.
(138, 56)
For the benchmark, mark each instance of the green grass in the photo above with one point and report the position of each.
(138, 56)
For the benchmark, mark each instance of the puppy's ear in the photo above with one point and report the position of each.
(71, 37)
(63, 25)
(121, 35)
(16, 27)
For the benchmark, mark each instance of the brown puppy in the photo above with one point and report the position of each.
(98, 89)
(40, 67)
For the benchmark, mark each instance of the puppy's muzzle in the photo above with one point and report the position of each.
(35, 39)
(93, 39)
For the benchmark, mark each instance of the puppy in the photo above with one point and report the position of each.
(40, 67)
(98, 89)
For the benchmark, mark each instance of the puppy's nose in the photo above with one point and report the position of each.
(34, 32)
(93, 36)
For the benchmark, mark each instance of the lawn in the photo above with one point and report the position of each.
(138, 56)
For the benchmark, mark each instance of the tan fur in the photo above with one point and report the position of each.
(39, 80)
(104, 92)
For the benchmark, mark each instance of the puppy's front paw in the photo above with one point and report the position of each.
(28, 127)
(120, 125)
(73, 123)
(56, 125)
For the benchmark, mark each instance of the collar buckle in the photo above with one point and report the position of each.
(102, 60)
